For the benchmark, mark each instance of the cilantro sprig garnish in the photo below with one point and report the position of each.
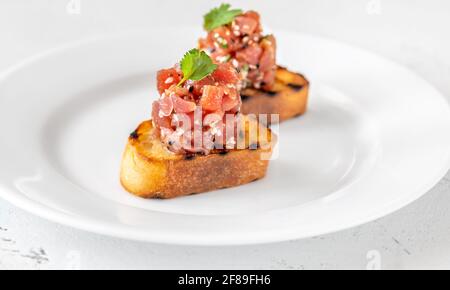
(196, 65)
(219, 16)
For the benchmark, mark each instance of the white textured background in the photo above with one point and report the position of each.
(412, 32)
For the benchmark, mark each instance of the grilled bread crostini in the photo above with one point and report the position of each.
(197, 140)
(288, 97)
(151, 170)
(237, 37)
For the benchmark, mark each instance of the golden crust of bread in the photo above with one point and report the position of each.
(150, 170)
(288, 97)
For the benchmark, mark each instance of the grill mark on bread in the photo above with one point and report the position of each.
(271, 93)
(295, 87)
(244, 98)
(189, 157)
(134, 135)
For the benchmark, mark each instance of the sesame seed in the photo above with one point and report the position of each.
(214, 123)
(222, 58)
(231, 141)
(216, 132)
(179, 132)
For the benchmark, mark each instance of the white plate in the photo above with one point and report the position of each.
(376, 138)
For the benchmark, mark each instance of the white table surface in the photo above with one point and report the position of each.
(414, 33)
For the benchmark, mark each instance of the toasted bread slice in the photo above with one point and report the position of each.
(288, 98)
(150, 170)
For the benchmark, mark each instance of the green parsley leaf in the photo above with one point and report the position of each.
(196, 65)
(220, 16)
